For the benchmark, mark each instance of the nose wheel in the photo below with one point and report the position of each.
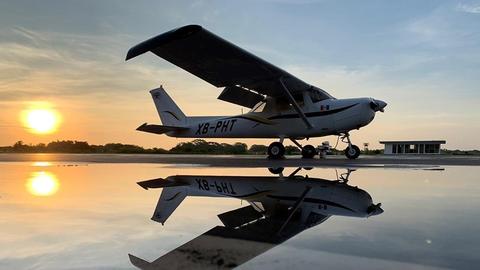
(352, 151)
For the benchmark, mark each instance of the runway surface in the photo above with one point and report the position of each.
(249, 160)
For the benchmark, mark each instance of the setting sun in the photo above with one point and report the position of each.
(41, 120)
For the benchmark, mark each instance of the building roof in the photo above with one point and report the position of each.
(415, 142)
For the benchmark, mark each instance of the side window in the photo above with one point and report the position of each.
(315, 96)
(259, 107)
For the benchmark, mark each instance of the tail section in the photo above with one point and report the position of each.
(170, 114)
(171, 197)
(169, 200)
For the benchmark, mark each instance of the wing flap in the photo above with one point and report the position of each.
(239, 216)
(240, 96)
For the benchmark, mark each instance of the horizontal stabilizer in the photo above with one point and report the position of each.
(239, 216)
(159, 129)
(159, 183)
(139, 263)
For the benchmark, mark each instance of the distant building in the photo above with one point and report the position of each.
(412, 147)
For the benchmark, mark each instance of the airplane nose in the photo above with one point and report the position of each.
(375, 209)
(378, 105)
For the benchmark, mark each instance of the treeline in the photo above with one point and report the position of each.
(79, 147)
(461, 152)
(197, 146)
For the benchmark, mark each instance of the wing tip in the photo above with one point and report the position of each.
(162, 39)
(138, 262)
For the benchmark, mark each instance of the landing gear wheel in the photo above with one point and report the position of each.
(278, 170)
(276, 150)
(308, 151)
(352, 152)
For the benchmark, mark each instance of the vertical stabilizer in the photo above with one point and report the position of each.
(169, 200)
(170, 114)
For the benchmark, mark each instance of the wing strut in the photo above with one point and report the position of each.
(295, 104)
(294, 208)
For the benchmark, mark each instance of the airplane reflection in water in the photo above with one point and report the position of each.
(280, 208)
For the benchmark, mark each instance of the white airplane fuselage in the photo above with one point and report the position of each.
(325, 197)
(328, 117)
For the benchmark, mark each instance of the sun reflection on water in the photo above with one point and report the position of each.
(42, 184)
(41, 164)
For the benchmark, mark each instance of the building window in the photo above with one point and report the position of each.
(407, 148)
(431, 148)
(401, 148)
(413, 148)
(394, 148)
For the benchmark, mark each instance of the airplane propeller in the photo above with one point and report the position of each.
(375, 209)
(378, 105)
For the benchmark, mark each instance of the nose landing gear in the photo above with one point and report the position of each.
(352, 151)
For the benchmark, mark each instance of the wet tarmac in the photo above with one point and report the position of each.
(72, 215)
(251, 161)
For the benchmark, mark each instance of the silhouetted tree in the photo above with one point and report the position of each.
(258, 149)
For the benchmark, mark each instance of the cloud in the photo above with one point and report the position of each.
(472, 8)
(42, 64)
(444, 28)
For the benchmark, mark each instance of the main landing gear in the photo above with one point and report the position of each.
(352, 151)
(276, 150)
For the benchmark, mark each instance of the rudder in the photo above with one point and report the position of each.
(170, 114)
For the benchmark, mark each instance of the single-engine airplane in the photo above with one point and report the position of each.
(280, 208)
(282, 106)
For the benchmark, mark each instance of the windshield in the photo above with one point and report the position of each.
(317, 95)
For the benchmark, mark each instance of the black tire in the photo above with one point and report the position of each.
(276, 150)
(278, 170)
(352, 153)
(308, 151)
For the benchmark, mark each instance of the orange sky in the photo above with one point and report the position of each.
(73, 58)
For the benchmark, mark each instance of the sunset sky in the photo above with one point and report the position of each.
(421, 57)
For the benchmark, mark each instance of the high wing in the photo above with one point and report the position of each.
(231, 245)
(246, 77)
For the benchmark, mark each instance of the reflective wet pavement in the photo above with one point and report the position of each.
(64, 215)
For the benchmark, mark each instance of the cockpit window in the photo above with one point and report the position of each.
(317, 95)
